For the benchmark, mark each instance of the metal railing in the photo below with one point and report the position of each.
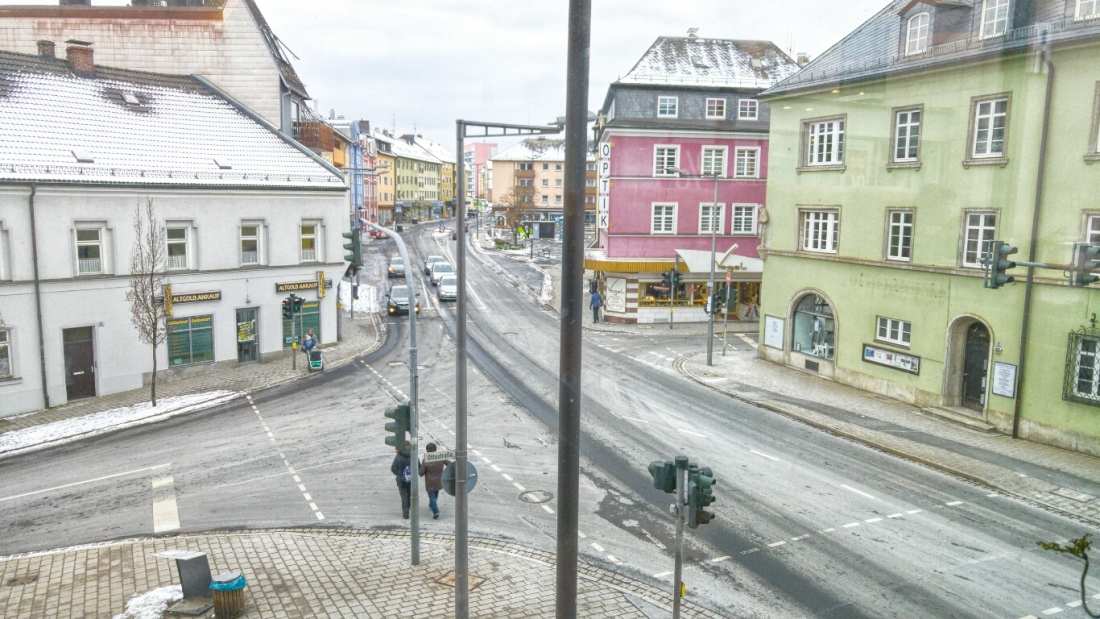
(88, 265)
(177, 262)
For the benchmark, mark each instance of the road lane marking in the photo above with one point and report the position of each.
(1052, 611)
(872, 520)
(302, 487)
(894, 516)
(914, 511)
(662, 574)
(775, 544)
(161, 482)
(477, 299)
(506, 476)
(953, 503)
(86, 481)
(764, 455)
(166, 516)
(581, 534)
(656, 542)
(691, 433)
(307, 497)
(496, 468)
(800, 538)
(829, 530)
(992, 494)
(720, 559)
(634, 419)
(850, 525)
(612, 559)
(521, 488)
(597, 547)
(486, 460)
(846, 487)
(547, 508)
(750, 551)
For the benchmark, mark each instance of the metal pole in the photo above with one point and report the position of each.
(293, 335)
(414, 408)
(726, 319)
(681, 502)
(713, 250)
(672, 290)
(462, 561)
(572, 307)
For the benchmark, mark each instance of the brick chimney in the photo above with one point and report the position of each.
(46, 48)
(80, 56)
(802, 59)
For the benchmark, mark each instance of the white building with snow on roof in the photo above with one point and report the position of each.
(249, 215)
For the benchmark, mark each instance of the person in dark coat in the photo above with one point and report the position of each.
(596, 302)
(432, 472)
(399, 467)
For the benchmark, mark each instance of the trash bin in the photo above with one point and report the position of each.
(228, 589)
(399, 228)
(416, 220)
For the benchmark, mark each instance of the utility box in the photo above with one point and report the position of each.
(194, 572)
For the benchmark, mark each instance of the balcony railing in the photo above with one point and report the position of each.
(177, 262)
(88, 265)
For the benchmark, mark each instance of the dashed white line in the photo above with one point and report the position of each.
(850, 525)
(486, 461)
(829, 530)
(495, 468)
(872, 520)
(775, 544)
(914, 511)
(521, 488)
(763, 455)
(682, 431)
(800, 538)
(581, 534)
(894, 515)
(301, 487)
(160, 482)
(846, 487)
(307, 497)
(547, 508)
(506, 476)
(612, 559)
(166, 516)
(1052, 611)
(953, 503)
(597, 547)
(662, 574)
(720, 559)
(634, 419)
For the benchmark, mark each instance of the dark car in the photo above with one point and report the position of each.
(397, 267)
(397, 301)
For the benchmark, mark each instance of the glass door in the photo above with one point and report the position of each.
(247, 351)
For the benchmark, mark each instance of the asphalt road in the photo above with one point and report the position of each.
(809, 525)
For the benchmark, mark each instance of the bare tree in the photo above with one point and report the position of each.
(148, 275)
(1078, 548)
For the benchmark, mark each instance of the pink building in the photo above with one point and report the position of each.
(684, 120)
(475, 159)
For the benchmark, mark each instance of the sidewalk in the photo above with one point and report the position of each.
(92, 416)
(1063, 481)
(318, 573)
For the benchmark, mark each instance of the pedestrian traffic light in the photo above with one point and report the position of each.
(700, 493)
(996, 263)
(675, 277)
(1085, 265)
(399, 426)
(354, 247)
(297, 301)
(666, 279)
(664, 475)
(288, 309)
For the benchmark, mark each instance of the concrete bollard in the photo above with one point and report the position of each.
(228, 589)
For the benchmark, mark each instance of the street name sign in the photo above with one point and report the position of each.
(436, 456)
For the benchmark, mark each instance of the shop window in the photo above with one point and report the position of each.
(190, 340)
(655, 294)
(309, 318)
(814, 327)
(5, 354)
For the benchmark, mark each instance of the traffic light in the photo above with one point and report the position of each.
(288, 309)
(399, 426)
(664, 475)
(354, 246)
(666, 279)
(297, 301)
(675, 277)
(996, 263)
(700, 492)
(1085, 264)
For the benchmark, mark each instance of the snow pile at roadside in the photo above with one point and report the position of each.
(68, 430)
(367, 303)
(151, 604)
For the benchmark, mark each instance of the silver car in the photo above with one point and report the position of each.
(440, 269)
(448, 288)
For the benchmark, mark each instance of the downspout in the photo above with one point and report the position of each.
(1030, 284)
(38, 300)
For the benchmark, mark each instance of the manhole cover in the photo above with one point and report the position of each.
(535, 496)
(22, 580)
(394, 364)
(449, 580)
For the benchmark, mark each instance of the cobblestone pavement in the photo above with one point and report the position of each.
(361, 336)
(1064, 481)
(294, 573)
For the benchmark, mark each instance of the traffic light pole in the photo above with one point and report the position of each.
(293, 336)
(681, 514)
(713, 251)
(414, 407)
(672, 290)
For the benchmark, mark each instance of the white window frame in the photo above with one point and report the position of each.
(894, 331)
(704, 225)
(737, 158)
(994, 18)
(738, 218)
(917, 33)
(718, 105)
(670, 105)
(546, 167)
(899, 226)
(169, 242)
(710, 152)
(989, 114)
(911, 136)
(820, 230)
(667, 218)
(748, 109)
(1092, 229)
(557, 199)
(976, 235)
(660, 169)
(316, 236)
(557, 182)
(545, 182)
(829, 131)
(546, 198)
(258, 237)
(98, 243)
(1094, 9)
(5, 355)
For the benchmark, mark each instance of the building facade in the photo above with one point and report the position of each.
(683, 126)
(531, 176)
(476, 159)
(247, 215)
(898, 157)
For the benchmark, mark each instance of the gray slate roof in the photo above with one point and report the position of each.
(874, 49)
(537, 149)
(139, 128)
(711, 62)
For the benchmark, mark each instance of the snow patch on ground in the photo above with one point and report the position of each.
(151, 604)
(68, 430)
(368, 301)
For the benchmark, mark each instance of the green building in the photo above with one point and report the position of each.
(897, 157)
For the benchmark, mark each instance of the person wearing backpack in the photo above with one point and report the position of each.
(432, 472)
(403, 475)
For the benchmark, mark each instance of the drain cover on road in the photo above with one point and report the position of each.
(22, 580)
(535, 496)
(449, 580)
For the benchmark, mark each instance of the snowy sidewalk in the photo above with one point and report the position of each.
(93, 416)
(1061, 480)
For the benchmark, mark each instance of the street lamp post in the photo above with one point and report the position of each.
(715, 221)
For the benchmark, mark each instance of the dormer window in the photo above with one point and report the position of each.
(667, 107)
(916, 37)
(994, 18)
(1087, 9)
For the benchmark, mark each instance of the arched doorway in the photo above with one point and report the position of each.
(814, 327)
(968, 352)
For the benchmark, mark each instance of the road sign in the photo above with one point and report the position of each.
(449, 477)
(436, 456)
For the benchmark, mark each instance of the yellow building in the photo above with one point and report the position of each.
(387, 181)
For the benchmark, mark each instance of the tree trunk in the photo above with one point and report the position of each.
(154, 385)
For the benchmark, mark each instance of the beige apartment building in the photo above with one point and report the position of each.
(529, 181)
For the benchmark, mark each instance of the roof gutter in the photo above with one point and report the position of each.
(1030, 283)
(38, 299)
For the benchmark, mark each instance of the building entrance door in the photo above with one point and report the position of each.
(247, 350)
(975, 366)
(79, 363)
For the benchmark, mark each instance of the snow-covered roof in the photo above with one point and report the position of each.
(694, 61)
(129, 127)
(537, 149)
(401, 148)
(436, 150)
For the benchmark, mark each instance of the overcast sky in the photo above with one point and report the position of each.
(423, 63)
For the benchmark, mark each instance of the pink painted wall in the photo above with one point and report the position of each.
(634, 191)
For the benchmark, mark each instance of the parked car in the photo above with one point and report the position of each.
(378, 234)
(397, 301)
(429, 261)
(440, 269)
(397, 267)
(448, 288)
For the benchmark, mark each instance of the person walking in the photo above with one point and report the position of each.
(596, 302)
(403, 476)
(432, 472)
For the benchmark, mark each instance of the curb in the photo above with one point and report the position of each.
(939, 466)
